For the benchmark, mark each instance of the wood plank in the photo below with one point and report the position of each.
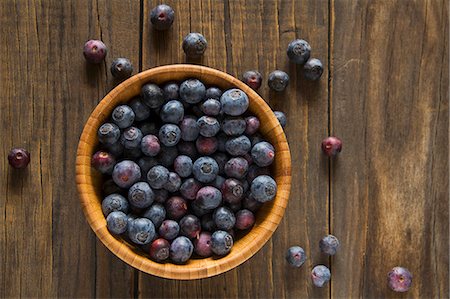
(390, 183)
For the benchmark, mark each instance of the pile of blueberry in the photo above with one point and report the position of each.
(186, 167)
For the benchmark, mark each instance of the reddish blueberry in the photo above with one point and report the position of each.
(162, 17)
(236, 168)
(251, 125)
(331, 146)
(399, 279)
(202, 244)
(320, 275)
(252, 79)
(189, 188)
(126, 173)
(295, 256)
(190, 226)
(150, 145)
(176, 207)
(244, 219)
(232, 191)
(94, 51)
(159, 250)
(206, 145)
(208, 198)
(19, 158)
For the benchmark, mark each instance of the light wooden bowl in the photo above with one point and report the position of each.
(89, 181)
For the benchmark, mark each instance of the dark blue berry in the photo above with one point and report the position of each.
(252, 79)
(188, 149)
(211, 107)
(238, 146)
(236, 168)
(233, 126)
(208, 198)
(140, 195)
(189, 128)
(157, 176)
(329, 245)
(254, 139)
(207, 223)
(224, 218)
(116, 149)
(313, 69)
(320, 275)
(255, 170)
(205, 169)
(194, 45)
(281, 118)
(94, 51)
(251, 204)
(263, 154)
(101, 160)
(263, 188)
(108, 133)
(232, 191)
(132, 153)
(126, 173)
(169, 134)
(173, 183)
(149, 128)
(172, 112)
(156, 213)
(295, 256)
(192, 91)
(114, 202)
(141, 231)
(117, 222)
(234, 102)
(183, 166)
(161, 195)
(176, 207)
(131, 138)
(190, 226)
(213, 93)
(167, 155)
(152, 95)
(169, 229)
(209, 126)
(146, 163)
(198, 211)
(181, 250)
(189, 188)
(221, 159)
(298, 51)
(159, 250)
(162, 17)
(221, 242)
(141, 111)
(218, 182)
(121, 68)
(222, 138)
(202, 244)
(278, 80)
(171, 91)
(123, 116)
(109, 187)
(399, 279)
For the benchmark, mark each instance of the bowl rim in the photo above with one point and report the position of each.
(201, 268)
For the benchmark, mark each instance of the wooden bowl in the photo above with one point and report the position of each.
(89, 180)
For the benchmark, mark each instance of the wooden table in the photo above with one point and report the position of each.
(384, 92)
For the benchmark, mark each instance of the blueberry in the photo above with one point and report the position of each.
(196, 110)
(167, 155)
(278, 80)
(244, 219)
(198, 211)
(313, 69)
(123, 116)
(254, 139)
(189, 128)
(207, 223)
(156, 213)
(298, 51)
(109, 187)
(254, 171)
(169, 229)
(116, 149)
(221, 159)
(194, 45)
(172, 112)
(121, 68)
(236, 168)
(205, 169)
(252, 79)
(192, 91)
(238, 146)
(108, 133)
(161, 195)
(222, 139)
(176, 207)
(329, 245)
(94, 51)
(150, 145)
(211, 107)
(221, 242)
(189, 188)
(224, 218)
(140, 195)
(113, 203)
(202, 244)
(218, 182)
(245, 185)
(209, 126)
(295, 256)
(169, 134)
(117, 222)
(173, 183)
(331, 146)
(159, 250)
(146, 163)
(157, 176)
(248, 158)
(234, 102)
(234, 207)
(141, 231)
(252, 125)
(213, 93)
(263, 154)
(152, 95)
(126, 173)
(171, 91)
(281, 118)
(251, 204)
(232, 191)
(132, 153)
(149, 128)
(234, 126)
(102, 161)
(263, 188)
(399, 279)
(141, 111)
(190, 226)
(183, 166)
(131, 138)
(181, 250)
(162, 17)
(206, 145)
(208, 198)
(188, 149)
(320, 275)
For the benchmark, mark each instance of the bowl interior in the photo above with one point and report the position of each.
(89, 181)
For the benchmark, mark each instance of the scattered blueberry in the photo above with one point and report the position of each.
(176, 207)
(123, 116)
(183, 166)
(192, 91)
(221, 242)
(205, 169)
(172, 112)
(278, 80)
(252, 125)
(331, 146)
(181, 249)
(244, 219)
(238, 146)
(224, 218)
(208, 198)
(169, 134)
(234, 102)
(169, 229)
(126, 173)
(298, 51)
(263, 188)
(236, 168)
(232, 191)
(202, 244)
(210, 107)
(206, 145)
(263, 154)
(252, 79)
(234, 126)
(157, 176)
(159, 250)
(313, 69)
(140, 195)
(399, 279)
(296, 256)
(320, 275)
(94, 51)
(189, 188)
(108, 133)
(117, 222)
(152, 95)
(162, 17)
(173, 183)
(121, 68)
(281, 118)
(194, 45)
(131, 138)
(156, 213)
(189, 128)
(141, 231)
(329, 245)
